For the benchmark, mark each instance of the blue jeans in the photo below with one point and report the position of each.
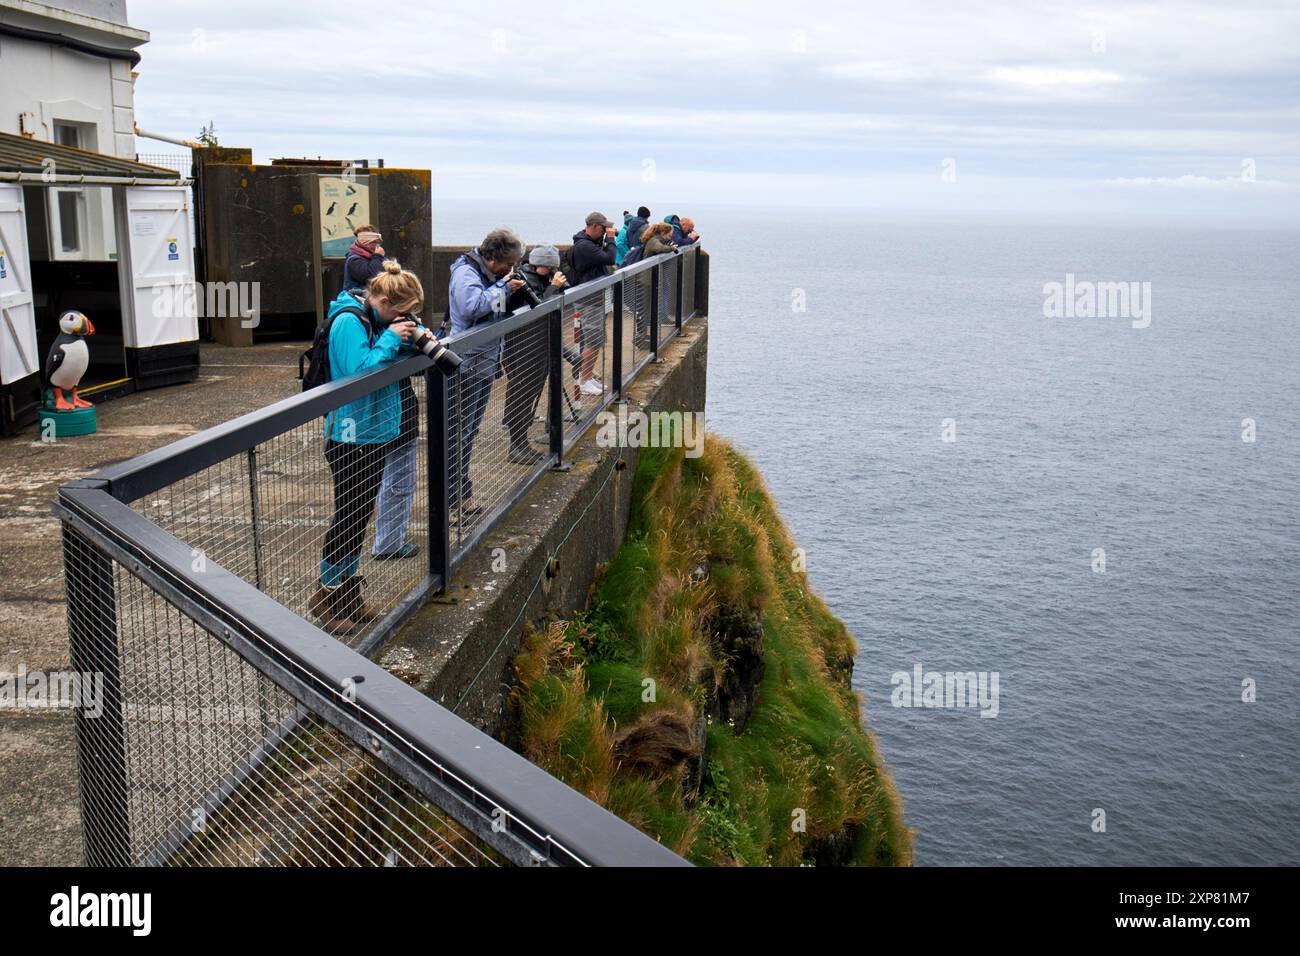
(395, 492)
(467, 411)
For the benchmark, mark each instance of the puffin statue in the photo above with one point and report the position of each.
(68, 360)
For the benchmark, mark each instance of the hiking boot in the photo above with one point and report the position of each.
(467, 510)
(405, 551)
(521, 454)
(353, 602)
(326, 606)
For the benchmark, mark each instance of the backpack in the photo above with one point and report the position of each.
(634, 255)
(566, 266)
(317, 358)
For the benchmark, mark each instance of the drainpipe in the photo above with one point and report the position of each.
(168, 139)
(71, 43)
(78, 179)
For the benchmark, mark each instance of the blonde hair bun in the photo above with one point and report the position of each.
(400, 287)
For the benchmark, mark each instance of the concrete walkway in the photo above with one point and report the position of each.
(39, 822)
(39, 816)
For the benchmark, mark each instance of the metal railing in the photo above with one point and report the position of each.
(234, 730)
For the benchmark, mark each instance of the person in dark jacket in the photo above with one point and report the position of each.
(593, 249)
(684, 233)
(593, 256)
(365, 258)
(525, 357)
(635, 226)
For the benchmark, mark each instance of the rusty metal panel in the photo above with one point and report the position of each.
(404, 214)
(258, 227)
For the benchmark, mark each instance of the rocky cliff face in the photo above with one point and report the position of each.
(703, 694)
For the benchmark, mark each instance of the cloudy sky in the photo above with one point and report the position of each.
(1187, 110)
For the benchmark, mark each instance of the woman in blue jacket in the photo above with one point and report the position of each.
(367, 329)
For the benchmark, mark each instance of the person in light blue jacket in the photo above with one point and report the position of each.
(478, 293)
(367, 330)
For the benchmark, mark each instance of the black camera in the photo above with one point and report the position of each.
(425, 341)
(525, 290)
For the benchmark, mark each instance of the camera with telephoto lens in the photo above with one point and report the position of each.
(525, 290)
(425, 341)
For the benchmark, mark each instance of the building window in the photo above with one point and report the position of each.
(72, 210)
(68, 134)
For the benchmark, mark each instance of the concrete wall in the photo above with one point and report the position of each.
(259, 226)
(114, 10)
(459, 648)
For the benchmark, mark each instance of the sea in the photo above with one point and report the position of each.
(1094, 511)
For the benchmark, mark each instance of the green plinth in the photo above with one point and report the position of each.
(80, 421)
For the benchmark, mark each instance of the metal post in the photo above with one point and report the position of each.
(256, 509)
(101, 741)
(618, 339)
(655, 276)
(555, 404)
(436, 421)
(678, 264)
(264, 706)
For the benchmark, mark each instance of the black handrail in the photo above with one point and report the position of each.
(131, 480)
(461, 770)
(466, 771)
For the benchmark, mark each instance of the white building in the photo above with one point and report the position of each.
(66, 77)
(82, 225)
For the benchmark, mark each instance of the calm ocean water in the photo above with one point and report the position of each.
(1119, 691)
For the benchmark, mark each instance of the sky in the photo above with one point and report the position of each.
(1070, 111)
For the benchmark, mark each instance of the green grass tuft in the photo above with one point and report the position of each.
(704, 534)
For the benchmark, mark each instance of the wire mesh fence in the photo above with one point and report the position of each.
(587, 330)
(309, 511)
(498, 436)
(340, 507)
(636, 323)
(688, 285)
(670, 312)
(198, 757)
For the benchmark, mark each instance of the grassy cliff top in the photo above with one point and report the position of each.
(703, 695)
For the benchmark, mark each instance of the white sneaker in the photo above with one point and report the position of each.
(592, 387)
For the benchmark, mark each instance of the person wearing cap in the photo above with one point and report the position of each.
(525, 358)
(365, 258)
(593, 255)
